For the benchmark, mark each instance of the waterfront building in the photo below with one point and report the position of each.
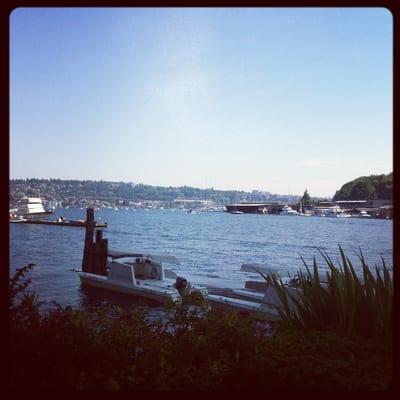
(256, 208)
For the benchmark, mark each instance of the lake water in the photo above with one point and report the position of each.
(211, 246)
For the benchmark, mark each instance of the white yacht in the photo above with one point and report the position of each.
(287, 210)
(361, 214)
(30, 208)
(336, 212)
(306, 214)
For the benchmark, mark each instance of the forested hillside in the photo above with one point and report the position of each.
(58, 189)
(366, 188)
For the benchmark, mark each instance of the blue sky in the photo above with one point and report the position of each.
(274, 99)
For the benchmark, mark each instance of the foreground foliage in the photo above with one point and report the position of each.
(341, 301)
(190, 349)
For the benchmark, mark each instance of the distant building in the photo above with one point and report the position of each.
(192, 203)
(354, 203)
(325, 203)
(256, 208)
(373, 203)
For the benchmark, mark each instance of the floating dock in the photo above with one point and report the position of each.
(79, 224)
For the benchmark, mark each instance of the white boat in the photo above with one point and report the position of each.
(235, 212)
(140, 275)
(336, 212)
(304, 212)
(30, 208)
(16, 219)
(287, 210)
(259, 296)
(262, 301)
(235, 304)
(361, 214)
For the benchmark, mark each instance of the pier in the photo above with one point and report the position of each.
(95, 252)
(375, 208)
(79, 224)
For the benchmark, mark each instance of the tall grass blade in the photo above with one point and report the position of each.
(348, 303)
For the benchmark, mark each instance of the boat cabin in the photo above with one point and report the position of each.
(141, 268)
(148, 269)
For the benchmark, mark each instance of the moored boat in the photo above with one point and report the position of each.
(287, 210)
(336, 212)
(31, 208)
(361, 214)
(140, 275)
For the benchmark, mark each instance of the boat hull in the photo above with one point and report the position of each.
(159, 293)
(234, 304)
(35, 216)
(17, 220)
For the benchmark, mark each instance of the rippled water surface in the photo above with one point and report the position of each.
(211, 246)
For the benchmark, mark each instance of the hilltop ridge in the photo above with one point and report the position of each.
(58, 190)
(367, 188)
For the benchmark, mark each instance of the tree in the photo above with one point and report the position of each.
(306, 199)
(367, 187)
(363, 190)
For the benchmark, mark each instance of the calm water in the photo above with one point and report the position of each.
(211, 246)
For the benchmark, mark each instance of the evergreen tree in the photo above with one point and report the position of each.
(306, 199)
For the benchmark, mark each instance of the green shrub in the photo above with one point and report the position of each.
(191, 348)
(343, 302)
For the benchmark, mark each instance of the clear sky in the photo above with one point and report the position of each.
(272, 99)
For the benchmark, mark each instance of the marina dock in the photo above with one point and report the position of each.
(79, 224)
